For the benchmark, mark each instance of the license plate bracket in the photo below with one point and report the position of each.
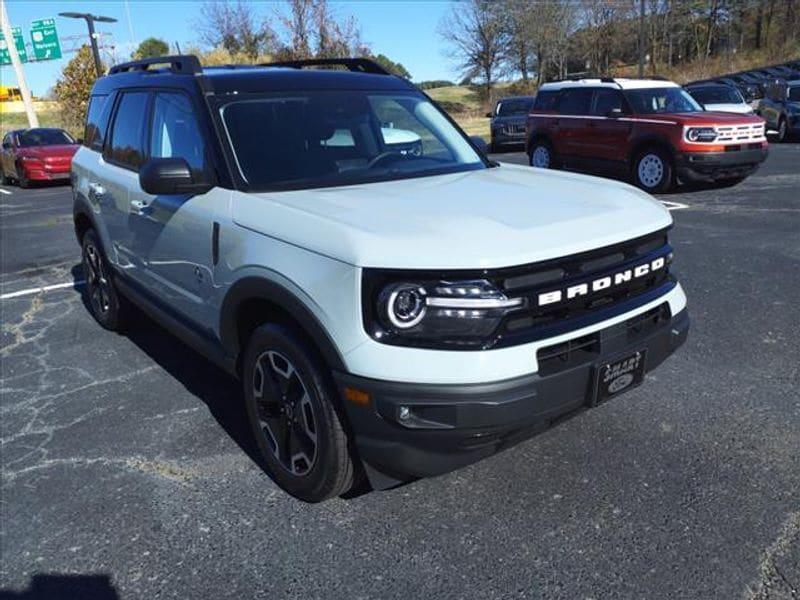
(618, 376)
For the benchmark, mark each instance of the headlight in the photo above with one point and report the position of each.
(701, 134)
(404, 304)
(434, 313)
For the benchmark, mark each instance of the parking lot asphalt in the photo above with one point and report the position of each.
(128, 472)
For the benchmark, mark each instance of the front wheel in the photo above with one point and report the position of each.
(22, 179)
(541, 155)
(652, 170)
(292, 408)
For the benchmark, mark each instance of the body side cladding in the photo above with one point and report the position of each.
(261, 289)
(204, 342)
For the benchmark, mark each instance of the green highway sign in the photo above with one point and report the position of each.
(45, 39)
(5, 57)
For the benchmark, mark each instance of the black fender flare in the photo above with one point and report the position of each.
(535, 137)
(650, 140)
(260, 288)
(81, 209)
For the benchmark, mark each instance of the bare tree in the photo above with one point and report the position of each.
(477, 35)
(235, 28)
(314, 30)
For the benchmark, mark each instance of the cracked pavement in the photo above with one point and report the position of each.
(126, 462)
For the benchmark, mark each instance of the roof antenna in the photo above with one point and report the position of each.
(178, 47)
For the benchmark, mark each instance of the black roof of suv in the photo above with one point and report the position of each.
(359, 73)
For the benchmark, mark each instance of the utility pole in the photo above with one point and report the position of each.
(641, 38)
(90, 20)
(27, 101)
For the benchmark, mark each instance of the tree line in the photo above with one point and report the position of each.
(539, 40)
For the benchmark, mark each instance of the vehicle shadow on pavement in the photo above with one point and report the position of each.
(221, 393)
(65, 587)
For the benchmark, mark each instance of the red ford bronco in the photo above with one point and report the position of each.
(651, 131)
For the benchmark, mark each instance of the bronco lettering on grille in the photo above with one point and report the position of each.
(601, 283)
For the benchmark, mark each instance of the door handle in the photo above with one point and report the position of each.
(96, 189)
(138, 206)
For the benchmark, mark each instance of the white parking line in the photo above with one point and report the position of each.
(6, 192)
(673, 205)
(41, 290)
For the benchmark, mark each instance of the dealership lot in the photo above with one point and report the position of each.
(127, 463)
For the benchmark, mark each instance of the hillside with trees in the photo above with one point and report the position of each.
(540, 40)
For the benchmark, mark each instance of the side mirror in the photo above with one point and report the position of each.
(480, 143)
(489, 115)
(79, 141)
(167, 176)
(615, 113)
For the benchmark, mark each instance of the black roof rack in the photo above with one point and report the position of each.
(185, 63)
(358, 65)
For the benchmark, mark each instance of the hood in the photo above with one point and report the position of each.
(714, 117)
(505, 216)
(740, 108)
(56, 150)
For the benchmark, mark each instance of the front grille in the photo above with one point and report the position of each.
(515, 128)
(740, 133)
(586, 349)
(573, 280)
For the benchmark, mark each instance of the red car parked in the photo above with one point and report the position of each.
(650, 131)
(40, 154)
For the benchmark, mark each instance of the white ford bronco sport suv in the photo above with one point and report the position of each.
(395, 304)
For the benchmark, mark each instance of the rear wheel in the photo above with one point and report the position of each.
(652, 170)
(783, 131)
(541, 155)
(107, 305)
(292, 408)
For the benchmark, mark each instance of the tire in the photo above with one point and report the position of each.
(541, 155)
(783, 131)
(653, 170)
(107, 305)
(292, 408)
(22, 180)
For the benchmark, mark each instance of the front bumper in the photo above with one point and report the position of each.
(502, 138)
(451, 426)
(714, 166)
(47, 175)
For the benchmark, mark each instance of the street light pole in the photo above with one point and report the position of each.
(27, 100)
(90, 20)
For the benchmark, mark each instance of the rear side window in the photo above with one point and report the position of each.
(96, 122)
(175, 131)
(545, 100)
(127, 136)
(574, 102)
(606, 100)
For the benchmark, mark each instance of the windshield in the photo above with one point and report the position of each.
(794, 94)
(328, 138)
(44, 137)
(662, 100)
(507, 108)
(717, 95)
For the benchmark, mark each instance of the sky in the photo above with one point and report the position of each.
(404, 31)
